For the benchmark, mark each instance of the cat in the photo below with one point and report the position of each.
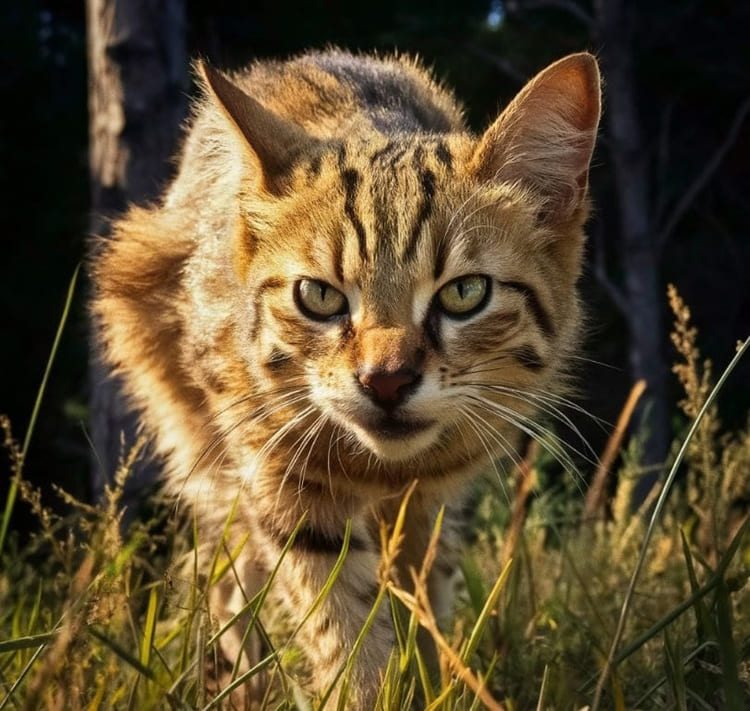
(344, 291)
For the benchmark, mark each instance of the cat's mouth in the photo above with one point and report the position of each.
(394, 438)
(393, 427)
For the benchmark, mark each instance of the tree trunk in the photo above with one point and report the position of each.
(639, 253)
(137, 87)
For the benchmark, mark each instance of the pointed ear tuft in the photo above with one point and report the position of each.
(545, 137)
(272, 143)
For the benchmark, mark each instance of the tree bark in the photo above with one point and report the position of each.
(639, 252)
(137, 64)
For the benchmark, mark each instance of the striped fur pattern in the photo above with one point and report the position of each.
(357, 175)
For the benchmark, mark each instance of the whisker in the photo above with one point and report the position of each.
(526, 424)
(584, 359)
(322, 423)
(297, 447)
(471, 229)
(545, 395)
(460, 209)
(499, 438)
(547, 439)
(279, 403)
(547, 407)
(491, 359)
(279, 435)
(256, 391)
(334, 430)
(493, 460)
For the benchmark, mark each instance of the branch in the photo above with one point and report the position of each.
(662, 161)
(600, 271)
(703, 178)
(572, 8)
(501, 64)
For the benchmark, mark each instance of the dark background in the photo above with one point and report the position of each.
(692, 71)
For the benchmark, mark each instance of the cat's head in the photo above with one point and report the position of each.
(409, 288)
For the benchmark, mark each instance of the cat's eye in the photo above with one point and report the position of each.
(464, 296)
(319, 300)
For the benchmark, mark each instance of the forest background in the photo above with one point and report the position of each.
(670, 178)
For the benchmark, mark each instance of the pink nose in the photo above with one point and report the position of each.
(388, 388)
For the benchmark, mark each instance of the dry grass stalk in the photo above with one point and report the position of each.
(419, 604)
(59, 672)
(595, 495)
(526, 481)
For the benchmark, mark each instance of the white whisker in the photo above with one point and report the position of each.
(547, 439)
(468, 414)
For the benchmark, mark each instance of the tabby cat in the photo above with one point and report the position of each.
(342, 291)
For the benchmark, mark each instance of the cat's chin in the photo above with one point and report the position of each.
(397, 441)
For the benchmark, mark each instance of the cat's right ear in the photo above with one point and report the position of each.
(271, 143)
(545, 137)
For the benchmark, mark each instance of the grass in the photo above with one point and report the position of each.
(566, 601)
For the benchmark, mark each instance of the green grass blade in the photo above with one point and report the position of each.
(474, 584)
(730, 681)
(700, 703)
(358, 642)
(255, 604)
(15, 621)
(215, 575)
(258, 600)
(122, 653)
(267, 586)
(484, 615)
(35, 609)
(660, 502)
(675, 672)
(15, 482)
(150, 627)
(704, 627)
(22, 676)
(688, 658)
(28, 641)
(239, 681)
(398, 629)
(330, 580)
(671, 616)
(252, 603)
(428, 690)
(707, 587)
(475, 704)
(411, 636)
(543, 689)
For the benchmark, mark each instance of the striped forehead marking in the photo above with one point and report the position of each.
(389, 161)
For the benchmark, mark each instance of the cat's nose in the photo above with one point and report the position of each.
(388, 388)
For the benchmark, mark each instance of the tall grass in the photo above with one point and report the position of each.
(564, 602)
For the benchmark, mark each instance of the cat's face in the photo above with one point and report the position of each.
(409, 290)
(399, 290)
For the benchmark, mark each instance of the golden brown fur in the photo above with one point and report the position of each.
(359, 173)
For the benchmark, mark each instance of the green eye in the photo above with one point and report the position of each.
(464, 296)
(318, 300)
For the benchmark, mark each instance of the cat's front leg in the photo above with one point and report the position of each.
(330, 633)
(240, 649)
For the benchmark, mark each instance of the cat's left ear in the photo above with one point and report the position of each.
(270, 143)
(545, 137)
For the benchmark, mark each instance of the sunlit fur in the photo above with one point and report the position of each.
(358, 172)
